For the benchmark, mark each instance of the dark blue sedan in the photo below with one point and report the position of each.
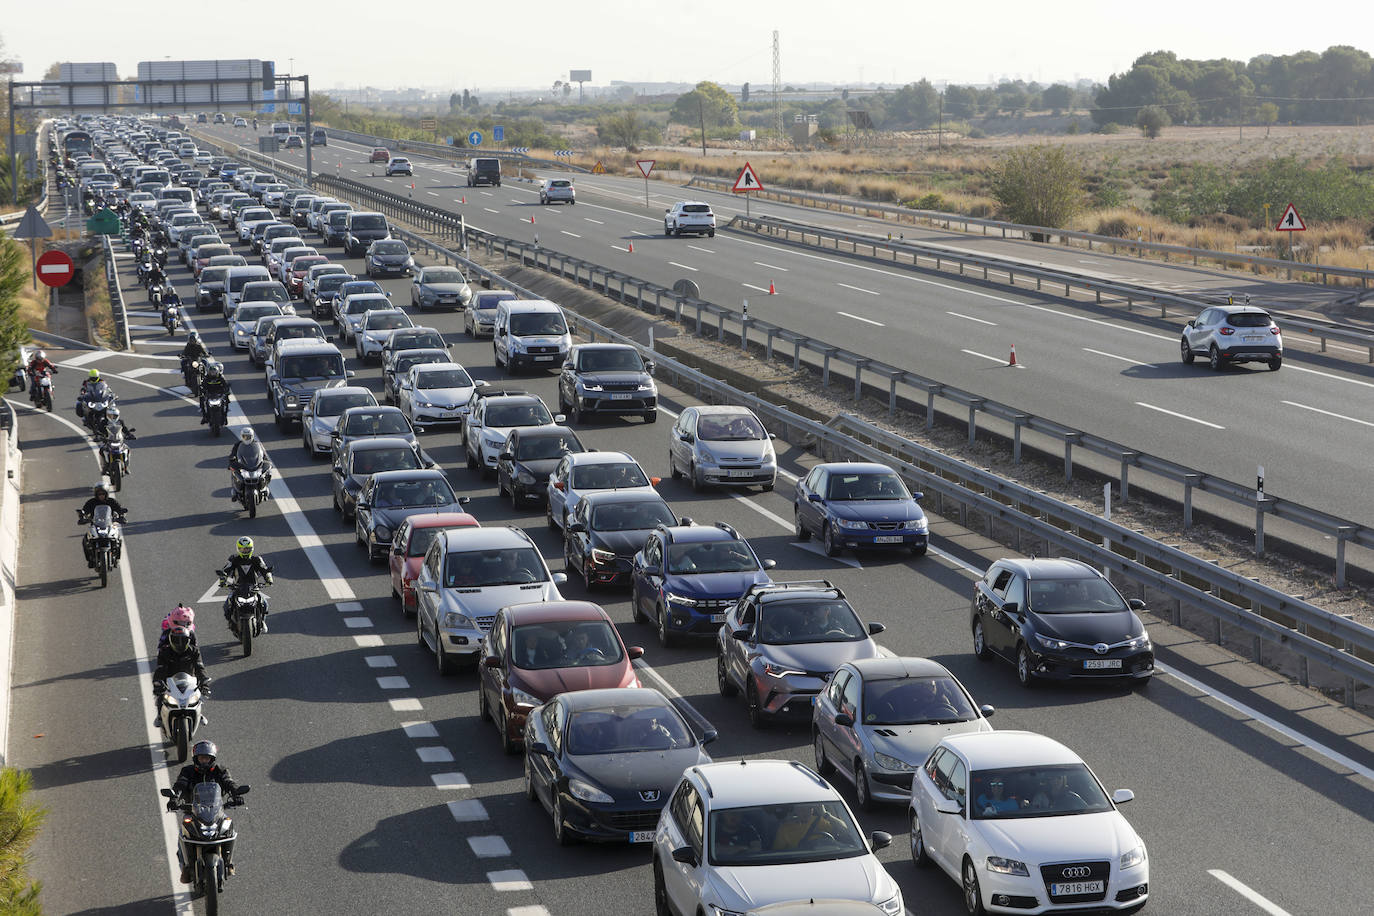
(390, 497)
(859, 506)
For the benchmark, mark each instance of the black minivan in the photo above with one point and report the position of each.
(484, 170)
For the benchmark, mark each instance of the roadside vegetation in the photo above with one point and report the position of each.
(20, 821)
(16, 308)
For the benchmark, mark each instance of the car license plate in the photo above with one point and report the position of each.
(888, 539)
(739, 472)
(1252, 337)
(1102, 663)
(450, 414)
(642, 836)
(1072, 888)
(543, 359)
(717, 618)
(448, 298)
(620, 397)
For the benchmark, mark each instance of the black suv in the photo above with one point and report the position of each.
(607, 378)
(484, 170)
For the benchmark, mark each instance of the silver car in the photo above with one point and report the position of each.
(245, 321)
(321, 414)
(557, 191)
(350, 312)
(878, 719)
(1233, 334)
(374, 329)
(479, 319)
(434, 394)
(722, 445)
(586, 472)
(439, 287)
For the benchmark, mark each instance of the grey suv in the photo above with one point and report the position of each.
(1233, 334)
(607, 378)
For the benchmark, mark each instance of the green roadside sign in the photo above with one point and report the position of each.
(104, 222)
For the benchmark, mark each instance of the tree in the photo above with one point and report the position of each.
(917, 104)
(1038, 185)
(1152, 120)
(707, 100)
(454, 100)
(54, 71)
(1268, 115)
(744, 94)
(627, 129)
(13, 276)
(1058, 97)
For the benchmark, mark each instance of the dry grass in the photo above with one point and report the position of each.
(33, 303)
(99, 310)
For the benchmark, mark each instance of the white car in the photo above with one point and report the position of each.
(351, 311)
(491, 421)
(738, 836)
(692, 216)
(375, 328)
(245, 320)
(584, 472)
(1023, 826)
(431, 394)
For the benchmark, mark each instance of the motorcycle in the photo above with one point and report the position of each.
(156, 293)
(40, 390)
(190, 374)
(180, 717)
(171, 318)
(92, 406)
(114, 457)
(251, 486)
(204, 835)
(106, 540)
(145, 267)
(215, 415)
(247, 612)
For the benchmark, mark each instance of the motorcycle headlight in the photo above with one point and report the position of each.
(888, 762)
(1007, 866)
(850, 523)
(172, 702)
(194, 698)
(1050, 642)
(588, 792)
(521, 698)
(1133, 858)
(456, 621)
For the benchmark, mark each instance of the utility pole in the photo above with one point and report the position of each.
(777, 87)
(941, 133)
(701, 113)
(309, 137)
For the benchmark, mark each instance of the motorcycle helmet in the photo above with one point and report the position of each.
(213, 369)
(193, 336)
(204, 749)
(93, 375)
(247, 434)
(113, 416)
(41, 355)
(181, 616)
(245, 546)
(100, 489)
(179, 639)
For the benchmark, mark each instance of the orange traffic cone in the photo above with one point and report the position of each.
(531, 220)
(771, 290)
(632, 248)
(465, 200)
(1012, 361)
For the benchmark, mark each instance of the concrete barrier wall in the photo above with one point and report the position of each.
(10, 481)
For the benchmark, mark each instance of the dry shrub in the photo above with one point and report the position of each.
(1117, 227)
(1227, 222)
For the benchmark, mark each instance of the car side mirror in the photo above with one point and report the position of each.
(507, 456)
(501, 332)
(742, 634)
(772, 436)
(875, 628)
(879, 839)
(687, 856)
(1188, 325)
(1121, 796)
(464, 500)
(948, 806)
(492, 661)
(539, 748)
(480, 384)
(688, 438)
(816, 498)
(568, 366)
(918, 495)
(987, 711)
(335, 434)
(634, 652)
(1135, 604)
(651, 571)
(560, 418)
(769, 564)
(844, 720)
(560, 578)
(650, 367)
(576, 526)
(1011, 607)
(364, 504)
(349, 373)
(709, 735)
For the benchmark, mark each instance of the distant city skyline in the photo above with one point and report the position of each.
(435, 46)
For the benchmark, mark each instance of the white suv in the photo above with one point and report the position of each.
(738, 836)
(689, 216)
(1233, 334)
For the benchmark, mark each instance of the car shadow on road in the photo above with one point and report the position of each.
(150, 905)
(102, 765)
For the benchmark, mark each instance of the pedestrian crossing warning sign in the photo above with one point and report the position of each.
(1290, 221)
(598, 169)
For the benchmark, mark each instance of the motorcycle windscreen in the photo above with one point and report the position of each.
(102, 518)
(207, 802)
(251, 454)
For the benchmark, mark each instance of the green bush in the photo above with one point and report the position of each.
(930, 201)
(976, 133)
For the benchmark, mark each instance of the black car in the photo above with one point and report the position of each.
(607, 528)
(530, 453)
(364, 458)
(1059, 619)
(369, 422)
(390, 497)
(604, 762)
(607, 378)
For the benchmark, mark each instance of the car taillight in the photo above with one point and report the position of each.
(1227, 332)
(1275, 331)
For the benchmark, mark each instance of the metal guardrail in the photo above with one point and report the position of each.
(1042, 233)
(919, 255)
(121, 316)
(444, 151)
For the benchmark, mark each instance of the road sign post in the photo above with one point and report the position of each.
(1290, 222)
(645, 167)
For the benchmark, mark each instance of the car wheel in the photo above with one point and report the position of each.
(711, 234)
(980, 642)
(1185, 351)
(508, 745)
(832, 546)
(1275, 363)
(673, 472)
(755, 706)
(586, 570)
(483, 712)
(918, 843)
(441, 658)
(973, 896)
(863, 792)
(500, 486)
(651, 416)
(561, 834)
(666, 637)
(1215, 359)
(1023, 667)
(636, 611)
(798, 527)
(723, 684)
(530, 792)
(666, 230)
(661, 905)
(548, 517)
(698, 482)
(823, 764)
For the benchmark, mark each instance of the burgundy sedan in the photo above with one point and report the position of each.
(408, 548)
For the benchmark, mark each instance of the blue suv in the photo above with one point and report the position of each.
(687, 577)
(858, 505)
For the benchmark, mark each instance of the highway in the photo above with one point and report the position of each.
(1114, 374)
(377, 789)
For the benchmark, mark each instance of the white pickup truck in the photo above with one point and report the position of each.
(689, 216)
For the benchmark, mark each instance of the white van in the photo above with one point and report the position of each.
(236, 279)
(184, 195)
(530, 333)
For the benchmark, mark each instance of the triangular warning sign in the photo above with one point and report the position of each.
(598, 169)
(32, 226)
(748, 180)
(1290, 221)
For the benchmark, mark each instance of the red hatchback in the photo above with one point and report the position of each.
(380, 154)
(295, 283)
(533, 652)
(408, 548)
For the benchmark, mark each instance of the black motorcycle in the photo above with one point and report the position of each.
(247, 613)
(205, 836)
(216, 414)
(190, 374)
(93, 406)
(105, 539)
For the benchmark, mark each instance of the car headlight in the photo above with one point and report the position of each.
(1140, 642)
(587, 792)
(773, 670)
(521, 698)
(1133, 858)
(240, 332)
(526, 478)
(681, 599)
(410, 262)
(602, 556)
(725, 911)
(893, 905)
(492, 441)
(888, 762)
(705, 457)
(1051, 643)
(1007, 866)
(456, 621)
(920, 525)
(381, 533)
(588, 386)
(421, 402)
(646, 386)
(850, 523)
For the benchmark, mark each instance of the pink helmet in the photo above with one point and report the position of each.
(181, 616)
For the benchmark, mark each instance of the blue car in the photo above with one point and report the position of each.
(859, 506)
(687, 576)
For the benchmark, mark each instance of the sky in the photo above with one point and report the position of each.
(424, 43)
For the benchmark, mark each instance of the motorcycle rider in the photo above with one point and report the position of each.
(204, 767)
(93, 387)
(243, 569)
(100, 496)
(191, 355)
(213, 385)
(179, 616)
(156, 277)
(171, 299)
(246, 453)
(113, 421)
(38, 363)
(178, 655)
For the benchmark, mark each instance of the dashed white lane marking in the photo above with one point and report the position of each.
(485, 193)
(140, 373)
(368, 642)
(762, 511)
(1124, 359)
(861, 318)
(349, 607)
(971, 318)
(527, 911)
(380, 661)
(683, 266)
(994, 359)
(773, 266)
(509, 880)
(573, 234)
(432, 193)
(468, 811)
(434, 754)
(597, 221)
(699, 248)
(1338, 416)
(450, 781)
(762, 289)
(1255, 897)
(488, 847)
(357, 622)
(420, 730)
(405, 704)
(393, 683)
(490, 210)
(860, 289)
(1181, 416)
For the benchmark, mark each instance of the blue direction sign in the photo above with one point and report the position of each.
(448, 141)
(294, 107)
(475, 138)
(498, 134)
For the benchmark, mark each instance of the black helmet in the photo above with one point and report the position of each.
(204, 749)
(179, 638)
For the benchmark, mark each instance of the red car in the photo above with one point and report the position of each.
(535, 651)
(408, 548)
(380, 154)
(295, 282)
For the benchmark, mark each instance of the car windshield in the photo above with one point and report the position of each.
(518, 415)
(866, 486)
(727, 427)
(608, 476)
(479, 568)
(442, 275)
(376, 460)
(633, 516)
(1039, 791)
(539, 448)
(420, 539)
(1249, 320)
(246, 313)
(710, 557)
(336, 404)
(323, 366)
(580, 644)
(369, 222)
(443, 378)
(213, 275)
(1073, 596)
(357, 306)
(609, 361)
(785, 834)
(358, 287)
(330, 283)
(268, 292)
(403, 363)
(376, 424)
(488, 301)
(298, 331)
(418, 340)
(390, 248)
(387, 322)
(627, 730)
(537, 323)
(807, 620)
(431, 491)
(916, 701)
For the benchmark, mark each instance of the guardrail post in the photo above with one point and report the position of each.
(858, 377)
(892, 394)
(1262, 505)
(796, 353)
(744, 333)
(1127, 459)
(1189, 481)
(769, 351)
(931, 392)
(825, 368)
(1069, 441)
(1343, 534)
(1017, 422)
(700, 305)
(973, 407)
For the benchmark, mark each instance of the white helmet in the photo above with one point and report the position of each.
(247, 434)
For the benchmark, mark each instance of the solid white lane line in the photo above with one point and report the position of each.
(863, 319)
(1255, 897)
(1115, 325)
(1124, 359)
(573, 234)
(971, 318)
(1338, 416)
(683, 266)
(432, 193)
(699, 248)
(773, 266)
(1330, 375)
(1181, 416)
(467, 811)
(860, 289)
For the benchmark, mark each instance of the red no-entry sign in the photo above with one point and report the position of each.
(55, 268)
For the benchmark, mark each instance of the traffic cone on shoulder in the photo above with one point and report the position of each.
(632, 248)
(531, 220)
(771, 290)
(1012, 361)
(465, 200)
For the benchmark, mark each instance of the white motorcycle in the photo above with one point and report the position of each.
(171, 318)
(181, 717)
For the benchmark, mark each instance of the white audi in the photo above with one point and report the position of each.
(1024, 826)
